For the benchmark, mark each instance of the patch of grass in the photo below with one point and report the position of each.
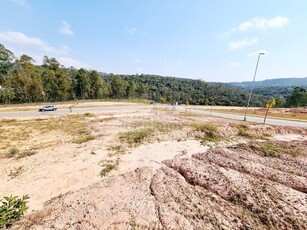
(271, 149)
(117, 150)
(12, 152)
(84, 139)
(87, 114)
(136, 136)
(24, 133)
(209, 129)
(205, 127)
(108, 167)
(26, 153)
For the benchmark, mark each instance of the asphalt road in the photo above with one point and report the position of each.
(35, 113)
(270, 121)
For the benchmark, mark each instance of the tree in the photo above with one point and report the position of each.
(6, 63)
(298, 98)
(118, 87)
(271, 103)
(98, 87)
(280, 101)
(83, 84)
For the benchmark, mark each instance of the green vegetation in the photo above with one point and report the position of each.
(137, 136)
(23, 82)
(146, 130)
(210, 130)
(12, 208)
(272, 149)
(12, 152)
(108, 167)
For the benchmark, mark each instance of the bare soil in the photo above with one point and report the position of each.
(180, 174)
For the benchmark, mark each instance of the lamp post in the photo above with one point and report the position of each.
(250, 94)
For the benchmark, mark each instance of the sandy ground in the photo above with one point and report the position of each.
(74, 169)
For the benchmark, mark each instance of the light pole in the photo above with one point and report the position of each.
(250, 94)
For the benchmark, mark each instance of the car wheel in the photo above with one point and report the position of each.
(43, 110)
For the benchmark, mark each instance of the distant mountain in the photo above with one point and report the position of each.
(281, 82)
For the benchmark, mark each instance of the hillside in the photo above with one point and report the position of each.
(278, 82)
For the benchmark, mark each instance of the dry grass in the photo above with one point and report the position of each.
(21, 138)
(209, 129)
(144, 131)
(272, 149)
(109, 166)
(273, 113)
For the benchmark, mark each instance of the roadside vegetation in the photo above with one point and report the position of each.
(21, 81)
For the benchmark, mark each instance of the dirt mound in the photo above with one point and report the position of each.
(221, 188)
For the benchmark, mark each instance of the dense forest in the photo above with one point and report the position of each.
(22, 81)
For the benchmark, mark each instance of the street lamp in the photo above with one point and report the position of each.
(250, 94)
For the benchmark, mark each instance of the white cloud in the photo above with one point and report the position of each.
(37, 48)
(132, 30)
(20, 2)
(234, 45)
(65, 28)
(68, 62)
(262, 24)
(233, 64)
(257, 52)
(21, 39)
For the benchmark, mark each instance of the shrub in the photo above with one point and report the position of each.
(11, 209)
(210, 130)
(12, 152)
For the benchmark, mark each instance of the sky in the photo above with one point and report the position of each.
(215, 41)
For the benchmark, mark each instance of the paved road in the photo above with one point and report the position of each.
(270, 121)
(35, 113)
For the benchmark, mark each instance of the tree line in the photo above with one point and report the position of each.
(22, 81)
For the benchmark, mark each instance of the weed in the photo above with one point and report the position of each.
(83, 139)
(87, 114)
(108, 167)
(271, 149)
(12, 152)
(26, 154)
(136, 136)
(11, 209)
(15, 172)
(106, 119)
(117, 150)
(210, 130)
(205, 127)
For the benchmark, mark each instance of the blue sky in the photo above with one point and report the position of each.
(209, 40)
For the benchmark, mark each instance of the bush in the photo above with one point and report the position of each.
(12, 152)
(11, 209)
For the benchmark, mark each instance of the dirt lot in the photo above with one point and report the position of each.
(142, 170)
